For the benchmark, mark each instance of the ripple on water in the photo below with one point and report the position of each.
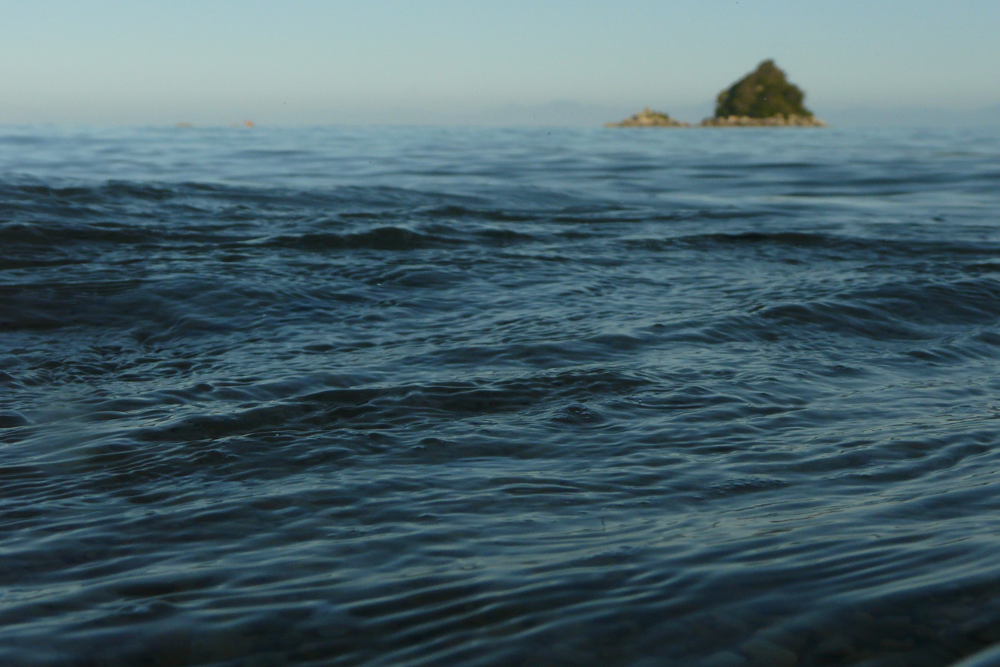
(437, 396)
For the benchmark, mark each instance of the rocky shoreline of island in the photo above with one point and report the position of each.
(650, 118)
(762, 98)
(792, 120)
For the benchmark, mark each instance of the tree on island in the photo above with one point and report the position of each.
(764, 93)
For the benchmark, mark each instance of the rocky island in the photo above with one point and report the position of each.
(649, 118)
(764, 97)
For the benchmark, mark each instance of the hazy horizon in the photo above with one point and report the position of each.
(444, 62)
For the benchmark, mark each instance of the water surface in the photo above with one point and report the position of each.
(483, 396)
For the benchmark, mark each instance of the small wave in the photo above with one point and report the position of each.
(380, 238)
(458, 212)
(63, 233)
(839, 317)
(917, 311)
(847, 246)
(934, 302)
(387, 407)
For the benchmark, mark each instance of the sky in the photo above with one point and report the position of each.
(472, 62)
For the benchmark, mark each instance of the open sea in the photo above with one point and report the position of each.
(459, 396)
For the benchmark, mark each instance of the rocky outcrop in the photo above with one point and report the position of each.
(764, 97)
(649, 118)
(771, 121)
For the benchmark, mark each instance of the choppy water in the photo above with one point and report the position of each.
(549, 397)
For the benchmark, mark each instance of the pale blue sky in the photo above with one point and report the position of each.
(443, 61)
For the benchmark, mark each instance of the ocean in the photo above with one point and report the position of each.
(480, 396)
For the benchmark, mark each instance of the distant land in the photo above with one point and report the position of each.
(763, 98)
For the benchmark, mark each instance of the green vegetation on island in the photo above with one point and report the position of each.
(649, 118)
(763, 93)
(763, 98)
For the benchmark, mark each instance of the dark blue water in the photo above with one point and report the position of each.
(500, 397)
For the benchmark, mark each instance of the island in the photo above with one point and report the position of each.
(649, 118)
(764, 97)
